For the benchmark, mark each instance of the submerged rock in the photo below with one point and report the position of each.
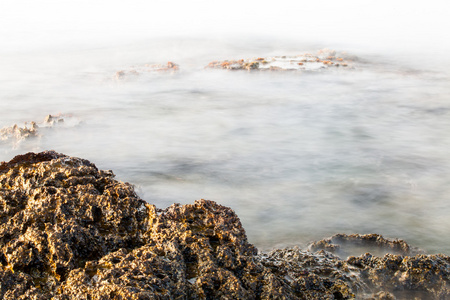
(71, 231)
(147, 68)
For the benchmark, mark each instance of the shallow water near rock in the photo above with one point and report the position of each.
(298, 155)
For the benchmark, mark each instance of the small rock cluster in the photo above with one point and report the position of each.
(71, 231)
(322, 60)
(16, 134)
(19, 133)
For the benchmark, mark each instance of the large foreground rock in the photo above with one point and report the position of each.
(71, 231)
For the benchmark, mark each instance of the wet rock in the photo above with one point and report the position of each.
(53, 119)
(344, 245)
(406, 277)
(71, 231)
(16, 134)
(324, 59)
(318, 275)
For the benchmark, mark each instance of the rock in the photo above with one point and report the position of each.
(52, 119)
(71, 231)
(147, 68)
(17, 134)
(58, 212)
(324, 59)
(344, 245)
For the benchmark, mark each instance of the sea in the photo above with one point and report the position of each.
(298, 155)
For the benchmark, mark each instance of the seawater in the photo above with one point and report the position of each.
(298, 155)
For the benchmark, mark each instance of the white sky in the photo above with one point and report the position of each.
(30, 23)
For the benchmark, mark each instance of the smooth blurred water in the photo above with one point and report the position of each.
(298, 155)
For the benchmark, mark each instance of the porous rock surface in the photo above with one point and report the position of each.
(71, 231)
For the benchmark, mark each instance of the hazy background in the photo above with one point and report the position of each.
(406, 25)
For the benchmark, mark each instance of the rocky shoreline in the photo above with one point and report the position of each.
(322, 60)
(71, 231)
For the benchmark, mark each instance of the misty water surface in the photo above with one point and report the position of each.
(298, 155)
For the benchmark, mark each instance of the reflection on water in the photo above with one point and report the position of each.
(299, 156)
